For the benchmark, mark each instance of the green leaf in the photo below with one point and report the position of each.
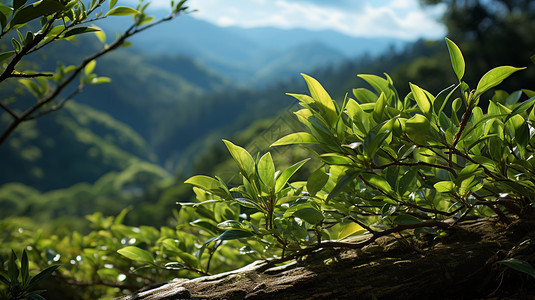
(122, 11)
(234, 234)
(100, 80)
(407, 181)
(309, 214)
(101, 35)
(12, 269)
(444, 186)
(90, 67)
(210, 185)
(16, 45)
(378, 83)
(6, 55)
(35, 296)
(248, 203)
(296, 138)
(5, 12)
(316, 181)
(365, 95)
(350, 229)
(80, 30)
(457, 60)
(188, 259)
(336, 159)
(322, 99)
(31, 86)
(421, 98)
(24, 268)
(379, 108)
(519, 265)
(43, 275)
(112, 3)
(136, 254)
(244, 160)
(373, 142)
(206, 224)
(285, 175)
(494, 77)
(406, 220)
(417, 129)
(341, 184)
(378, 181)
(36, 10)
(266, 170)
(521, 107)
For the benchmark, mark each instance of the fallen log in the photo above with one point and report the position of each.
(461, 265)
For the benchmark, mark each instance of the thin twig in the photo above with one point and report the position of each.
(23, 75)
(8, 110)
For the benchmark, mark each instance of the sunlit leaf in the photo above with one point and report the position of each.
(378, 182)
(365, 95)
(316, 181)
(136, 254)
(322, 99)
(285, 175)
(350, 229)
(296, 138)
(444, 186)
(417, 129)
(122, 11)
(336, 159)
(244, 160)
(234, 234)
(100, 80)
(457, 60)
(80, 30)
(379, 108)
(266, 170)
(421, 98)
(309, 214)
(90, 67)
(494, 77)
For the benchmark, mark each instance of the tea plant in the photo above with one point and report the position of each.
(390, 164)
(18, 281)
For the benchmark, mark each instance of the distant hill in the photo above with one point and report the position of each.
(349, 46)
(244, 54)
(76, 144)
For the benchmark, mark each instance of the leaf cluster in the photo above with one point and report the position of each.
(19, 283)
(390, 164)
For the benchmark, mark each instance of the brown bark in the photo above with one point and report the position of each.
(460, 266)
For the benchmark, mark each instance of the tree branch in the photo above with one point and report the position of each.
(27, 115)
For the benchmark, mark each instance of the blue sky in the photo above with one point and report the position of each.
(365, 18)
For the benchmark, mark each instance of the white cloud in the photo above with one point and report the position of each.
(387, 18)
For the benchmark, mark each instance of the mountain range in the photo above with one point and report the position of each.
(255, 56)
